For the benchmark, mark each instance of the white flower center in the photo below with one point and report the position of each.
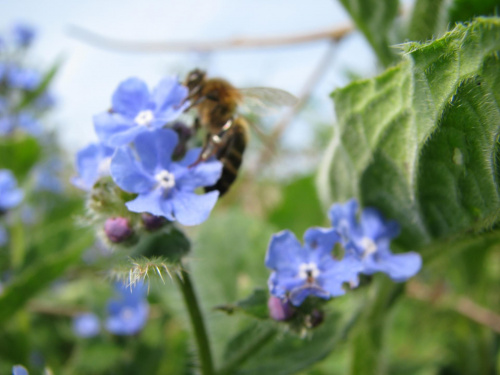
(369, 245)
(165, 179)
(308, 271)
(144, 118)
(127, 313)
(103, 167)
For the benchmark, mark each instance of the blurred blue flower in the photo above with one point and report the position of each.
(19, 370)
(45, 101)
(165, 188)
(300, 271)
(10, 194)
(128, 311)
(23, 34)
(47, 176)
(135, 110)
(368, 241)
(92, 163)
(23, 78)
(4, 236)
(86, 325)
(24, 121)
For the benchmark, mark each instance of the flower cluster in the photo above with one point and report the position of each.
(300, 271)
(21, 85)
(138, 147)
(127, 313)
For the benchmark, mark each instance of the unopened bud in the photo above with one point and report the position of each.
(279, 309)
(152, 222)
(315, 318)
(117, 229)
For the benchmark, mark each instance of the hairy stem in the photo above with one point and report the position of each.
(203, 345)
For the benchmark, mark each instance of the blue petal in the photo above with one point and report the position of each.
(131, 96)
(374, 226)
(204, 174)
(86, 325)
(19, 370)
(297, 296)
(191, 208)
(338, 273)
(155, 149)
(343, 217)
(152, 202)
(323, 239)
(284, 252)
(280, 283)
(10, 195)
(115, 130)
(399, 267)
(127, 174)
(168, 96)
(89, 165)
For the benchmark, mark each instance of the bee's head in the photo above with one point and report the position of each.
(194, 79)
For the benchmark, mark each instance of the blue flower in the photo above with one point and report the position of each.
(86, 325)
(300, 271)
(10, 194)
(135, 110)
(92, 163)
(128, 312)
(23, 78)
(368, 241)
(19, 370)
(47, 176)
(165, 188)
(23, 121)
(23, 34)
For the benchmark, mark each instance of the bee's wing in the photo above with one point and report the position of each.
(264, 100)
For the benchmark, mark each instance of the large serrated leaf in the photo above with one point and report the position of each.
(374, 18)
(420, 141)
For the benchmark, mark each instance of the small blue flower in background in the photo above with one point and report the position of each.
(300, 271)
(23, 78)
(23, 34)
(165, 188)
(47, 176)
(19, 370)
(135, 110)
(10, 194)
(45, 101)
(4, 236)
(128, 311)
(92, 163)
(24, 121)
(7, 125)
(368, 241)
(86, 325)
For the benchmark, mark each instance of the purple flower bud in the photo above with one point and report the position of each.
(152, 222)
(279, 309)
(117, 229)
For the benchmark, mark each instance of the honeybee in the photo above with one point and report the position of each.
(216, 102)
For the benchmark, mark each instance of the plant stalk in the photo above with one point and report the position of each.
(203, 345)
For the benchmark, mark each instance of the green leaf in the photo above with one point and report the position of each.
(420, 141)
(300, 207)
(431, 18)
(255, 305)
(369, 336)
(374, 18)
(19, 154)
(38, 276)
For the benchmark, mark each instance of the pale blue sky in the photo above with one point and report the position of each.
(89, 74)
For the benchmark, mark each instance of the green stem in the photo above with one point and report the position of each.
(196, 317)
(256, 343)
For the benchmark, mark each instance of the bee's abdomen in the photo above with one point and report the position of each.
(231, 155)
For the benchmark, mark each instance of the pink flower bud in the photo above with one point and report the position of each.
(279, 309)
(117, 229)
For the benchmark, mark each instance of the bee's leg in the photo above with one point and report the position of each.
(209, 149)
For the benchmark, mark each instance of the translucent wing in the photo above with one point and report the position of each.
(263, 100)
